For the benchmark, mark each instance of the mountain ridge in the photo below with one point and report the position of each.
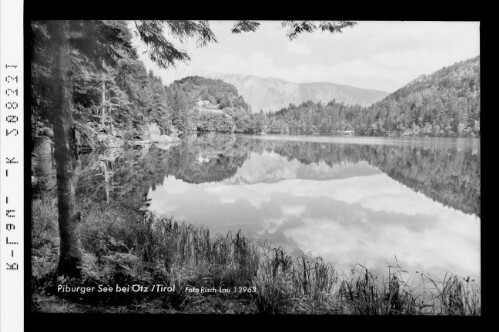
(271, 94)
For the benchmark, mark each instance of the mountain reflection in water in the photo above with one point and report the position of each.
(348, 200)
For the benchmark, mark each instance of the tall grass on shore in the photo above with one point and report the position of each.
(124, 245)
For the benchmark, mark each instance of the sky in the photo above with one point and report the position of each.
(379, 55)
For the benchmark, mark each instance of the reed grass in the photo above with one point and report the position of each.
(131, 246)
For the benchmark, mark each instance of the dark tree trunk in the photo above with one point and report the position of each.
(103, 115)
(62, 122)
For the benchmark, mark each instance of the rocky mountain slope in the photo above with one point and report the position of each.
(272, 94)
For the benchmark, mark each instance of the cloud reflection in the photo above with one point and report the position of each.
(365, 219)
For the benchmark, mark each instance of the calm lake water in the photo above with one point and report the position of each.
(350, 200)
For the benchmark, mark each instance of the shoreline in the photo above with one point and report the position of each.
(191, 257)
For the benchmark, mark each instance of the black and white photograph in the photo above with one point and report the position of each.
(232, 167)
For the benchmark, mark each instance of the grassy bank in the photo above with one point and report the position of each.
(123, 246)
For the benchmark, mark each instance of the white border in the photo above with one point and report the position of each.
(11, 174)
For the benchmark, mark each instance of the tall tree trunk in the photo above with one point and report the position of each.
(103, 115)
(106, 179)
(61, 118)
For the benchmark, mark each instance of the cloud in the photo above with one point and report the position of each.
(385, 71)
(376, 55)
(229, 62)
(288, 214)
(348, 243)
(229, 194)
(297, 48)
(293, 210)
(258, 63)
(271, 225)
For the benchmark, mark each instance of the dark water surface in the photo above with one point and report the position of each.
(347, 199)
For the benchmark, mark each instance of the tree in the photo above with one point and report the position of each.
(476, 127)
(177, 101)
(297, 27)
(96, 43)
(61, 118)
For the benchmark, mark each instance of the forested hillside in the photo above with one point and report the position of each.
(445, 103)
(113, 101)
(215, 91)
(213, 105)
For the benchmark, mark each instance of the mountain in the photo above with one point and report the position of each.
(271, 167)
(460, 80)
(215, 91)
(212, 105)
(272, 94)
(446, 102)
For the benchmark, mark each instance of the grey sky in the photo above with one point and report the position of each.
(382, 55)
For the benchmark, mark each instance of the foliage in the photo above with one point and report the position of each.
(213, 90)
(178, 103)
(297, 27)
(215, 121)
(242, 26)
(160, 49)
(133, 97)
(222, 110)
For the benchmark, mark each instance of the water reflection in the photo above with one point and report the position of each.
(350, 203)
(348, 200)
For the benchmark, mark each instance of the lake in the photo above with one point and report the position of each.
(372, 201)
(347, 199)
